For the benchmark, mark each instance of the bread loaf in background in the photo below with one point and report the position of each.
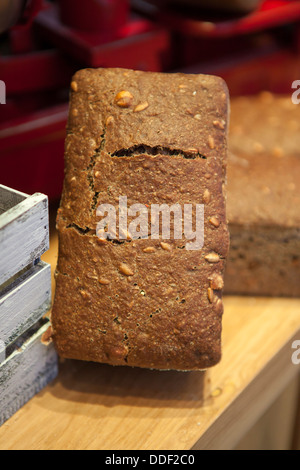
(263, 201)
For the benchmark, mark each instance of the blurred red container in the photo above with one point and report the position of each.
(94, 15)
(32, 152)
(238, 6)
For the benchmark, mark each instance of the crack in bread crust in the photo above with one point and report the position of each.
(157, 150)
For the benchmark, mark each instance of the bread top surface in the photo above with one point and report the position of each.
(176, 111)
(169, 114)
(264, 161)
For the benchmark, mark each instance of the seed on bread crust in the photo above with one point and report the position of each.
(141, 106)
(74, 86)
(149, 249)
(124, 99)
(206, 196)
(216, 282)
(166, 246)
(210, 294)
(214, 221)
(211, 142)
(219, 124)
(109, 120)
(212, 257)
(125, 269)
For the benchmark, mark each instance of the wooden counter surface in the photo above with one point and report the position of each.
(95, 406)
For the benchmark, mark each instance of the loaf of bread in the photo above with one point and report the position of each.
(146, 301)
(264, 196)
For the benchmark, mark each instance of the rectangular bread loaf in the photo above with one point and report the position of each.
(264, 196)
(152, 300)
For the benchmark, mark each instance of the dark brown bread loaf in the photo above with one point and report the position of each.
(157, 139)
(264, 196)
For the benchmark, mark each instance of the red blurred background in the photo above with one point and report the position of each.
(43, 43)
